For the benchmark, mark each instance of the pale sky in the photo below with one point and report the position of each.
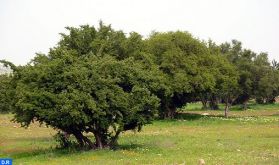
(30, 26)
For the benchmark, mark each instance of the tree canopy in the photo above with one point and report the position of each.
(103, 81)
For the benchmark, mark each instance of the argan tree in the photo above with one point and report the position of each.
(88, 84)
(178, 55)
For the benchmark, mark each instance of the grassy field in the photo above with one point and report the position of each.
(247, 137)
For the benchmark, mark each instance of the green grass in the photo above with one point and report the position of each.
(248, 137)
(251, 106)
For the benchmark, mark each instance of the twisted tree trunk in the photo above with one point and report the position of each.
(100, 141)
(83, 141)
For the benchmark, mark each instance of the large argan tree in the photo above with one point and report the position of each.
(89, 83)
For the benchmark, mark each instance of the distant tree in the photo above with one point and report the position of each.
(266, 80)
(214, 70)
(258, 79)
(243, 60)
(225, 78)
(205, 80)
(178, 55)
(227, 84)
(245, 67)
(268, 87)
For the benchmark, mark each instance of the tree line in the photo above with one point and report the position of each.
(104, 82)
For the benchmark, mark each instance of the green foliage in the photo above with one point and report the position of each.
(257, 78)
(6, 93)
(64, 140)
(77, 91)
(101, 81)
(178, 55)
(101, 41)
(268, 87)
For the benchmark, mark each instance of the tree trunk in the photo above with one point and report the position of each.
(245, 105)
(169, 112)
(79, 138)
(213, 103)
(83, 141)
(204, 103)
(227, 108)
(173, 112)
(99, 141)
(88, 142)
